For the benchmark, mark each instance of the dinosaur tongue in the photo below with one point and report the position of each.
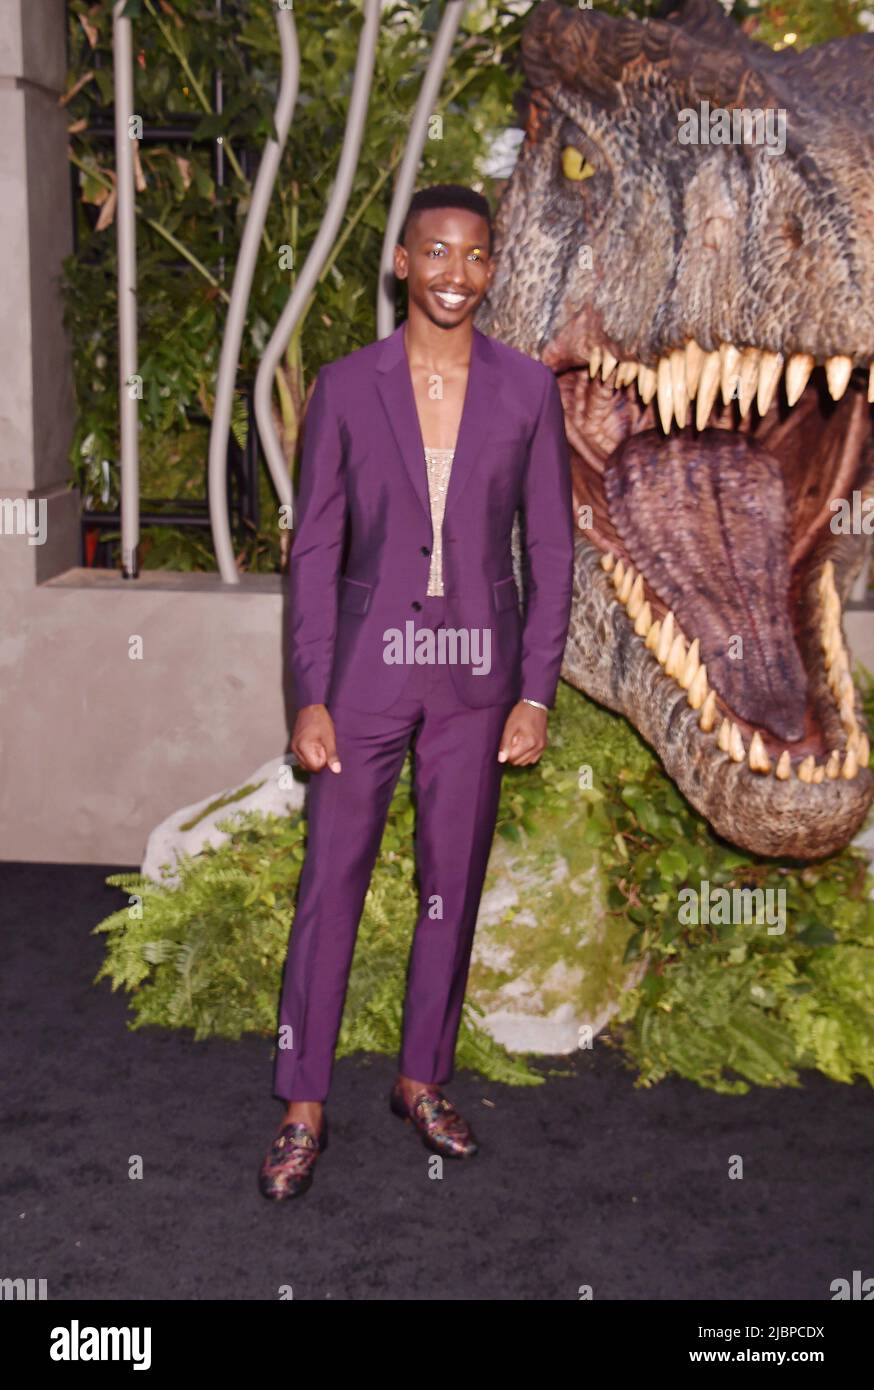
(705, 520)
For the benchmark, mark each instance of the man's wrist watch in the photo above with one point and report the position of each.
(526, 701)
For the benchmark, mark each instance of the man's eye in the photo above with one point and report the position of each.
(574, 165)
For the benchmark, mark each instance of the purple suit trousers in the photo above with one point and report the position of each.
(457, 780)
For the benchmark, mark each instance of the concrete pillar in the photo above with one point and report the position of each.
(36, 389)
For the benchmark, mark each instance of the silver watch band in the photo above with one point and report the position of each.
(526, 701)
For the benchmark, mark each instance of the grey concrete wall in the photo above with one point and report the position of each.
(124, 700)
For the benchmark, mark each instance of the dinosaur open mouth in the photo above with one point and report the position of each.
(706, 484)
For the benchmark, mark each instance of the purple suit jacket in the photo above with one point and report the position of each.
(362, 538)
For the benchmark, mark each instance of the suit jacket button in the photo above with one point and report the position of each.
(425, 550)
(416, 604)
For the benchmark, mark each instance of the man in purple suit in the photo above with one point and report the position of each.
(405, 625)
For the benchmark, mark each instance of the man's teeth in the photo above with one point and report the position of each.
(690, 373)
(681, 662)
(450, 298)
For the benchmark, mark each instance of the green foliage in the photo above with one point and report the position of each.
(811, 21)
(189, 229)
(725, 1006)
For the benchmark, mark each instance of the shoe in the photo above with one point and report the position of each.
(439, 1123)
(287, 1171)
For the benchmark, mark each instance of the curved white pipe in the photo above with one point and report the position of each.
(385, 302)
(318, 253)
(230, 354)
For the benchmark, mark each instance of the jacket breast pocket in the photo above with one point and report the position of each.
(354, 595)
(505, 594)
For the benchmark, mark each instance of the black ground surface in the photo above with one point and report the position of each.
(581, 1181)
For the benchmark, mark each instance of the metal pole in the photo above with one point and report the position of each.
(125, 221)
(318, 253)
(385, 304)
(230, 354)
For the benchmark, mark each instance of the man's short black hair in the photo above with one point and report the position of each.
(447, 195)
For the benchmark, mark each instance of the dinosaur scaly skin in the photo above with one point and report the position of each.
(709, 312)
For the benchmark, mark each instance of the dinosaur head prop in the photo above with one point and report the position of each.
(687, 240)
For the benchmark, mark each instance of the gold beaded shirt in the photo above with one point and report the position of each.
(439, 465)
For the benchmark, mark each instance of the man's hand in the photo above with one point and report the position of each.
(524, 736)
(313, 741)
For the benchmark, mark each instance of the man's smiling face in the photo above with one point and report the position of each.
(446, 263)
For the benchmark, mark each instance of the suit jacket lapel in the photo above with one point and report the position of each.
(395, 386)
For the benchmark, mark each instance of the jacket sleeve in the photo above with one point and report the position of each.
(317, 547)
(548, 549)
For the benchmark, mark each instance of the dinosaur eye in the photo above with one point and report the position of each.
(574, 165)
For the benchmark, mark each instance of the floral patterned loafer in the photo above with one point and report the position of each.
(437, 1120)
(287, 1171)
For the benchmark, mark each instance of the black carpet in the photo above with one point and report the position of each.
(582, 1181)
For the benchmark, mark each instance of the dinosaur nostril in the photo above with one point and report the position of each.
(793, 231)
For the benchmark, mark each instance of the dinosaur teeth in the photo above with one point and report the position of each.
(850, 768)
(749, 379)
(758, 758)
(679, 390)
(707, 717)
(689, 373)
(827, 577)
(595, 363)
(676, 658)
(634, 602)
(681, 659)
(665, 394)
(871, 382)
(730, 361)
(666, 639)
(691, 665)
(695, 356)
(646, 384)
(798, 370)
(698, 689)
(708, 387)
(836, 660)
(838, 371)
(736, 750)
(770, 371)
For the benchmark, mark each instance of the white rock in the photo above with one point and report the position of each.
(274, 792)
